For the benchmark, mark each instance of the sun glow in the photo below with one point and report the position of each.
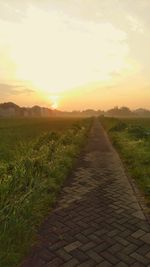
(56, 52)
(54, 102)
(50, 50)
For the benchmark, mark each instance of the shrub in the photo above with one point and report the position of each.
(119, 126)
(137, 131)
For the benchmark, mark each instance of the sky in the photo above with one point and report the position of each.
(75, 54)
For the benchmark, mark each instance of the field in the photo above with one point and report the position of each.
(131, 137)
(36, 156)
(16, 135)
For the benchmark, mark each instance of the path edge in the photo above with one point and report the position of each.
(138, 194)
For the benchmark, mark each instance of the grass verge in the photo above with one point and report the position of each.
(28, 188)
(131, 137)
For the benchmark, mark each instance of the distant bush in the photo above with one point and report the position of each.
(137, 131)
(119, 126)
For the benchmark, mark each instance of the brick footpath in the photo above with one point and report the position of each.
(97, 220)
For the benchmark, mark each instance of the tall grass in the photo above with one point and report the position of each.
(28, 188)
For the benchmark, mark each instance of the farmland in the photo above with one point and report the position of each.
(16, 134)
(36, 157)
(131, 137)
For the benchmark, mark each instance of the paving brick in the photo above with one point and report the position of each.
(123, 220)
(67, 237)
(57, 245)
(104, 264)
(89, 263)
(71, 263)
(109, 257)
(129, 249)
(138, 264)
(131, 227)
(63, 254)
(112, 233)
(144, 226)
(80, 237)
(95, 238)
(122, 264)
(57, 262)
(101, 232)
(138, 233)
(46, 255)
(108, 240)
(53, 238)
(140, 258)
(79, 255)
(146, 238)
(121, 240)
(101, 247)
(125, 234)
(72, 246)
(88, 246)
(135, 241)
(148, 255)
(88, 231)
(143, 249)
(115, 248)
(95, 256)
(82, 224)
(118, 226)
(125, 258)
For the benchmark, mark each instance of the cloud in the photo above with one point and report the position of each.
(27, 91)
(8, 89)
(135, 24)
(115, 74)
(15, 11)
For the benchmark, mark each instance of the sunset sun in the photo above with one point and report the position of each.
(54, 102)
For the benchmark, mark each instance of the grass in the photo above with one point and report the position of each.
(131, 137)
(16, 134)
(29, 186)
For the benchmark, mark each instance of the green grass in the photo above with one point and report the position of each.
(29, 186)
(131, 137)
(16, 135)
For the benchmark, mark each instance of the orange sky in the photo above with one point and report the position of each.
(75, 54)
